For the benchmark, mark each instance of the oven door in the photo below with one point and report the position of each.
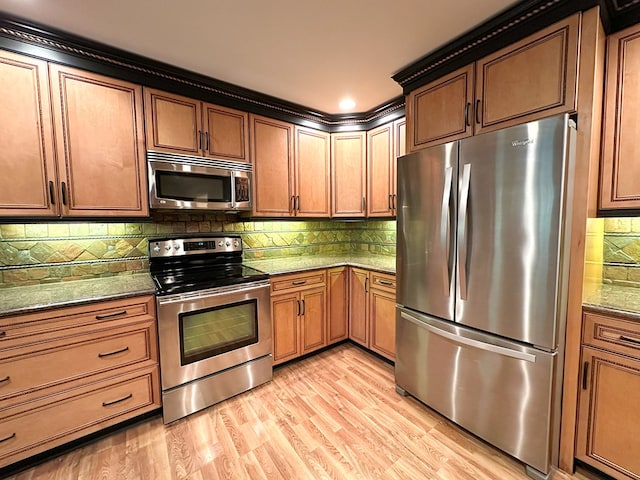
(205, 332)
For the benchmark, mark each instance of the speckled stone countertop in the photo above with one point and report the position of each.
(615, 299)
(17, 300)
(276, 266)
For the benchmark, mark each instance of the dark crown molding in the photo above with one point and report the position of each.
(23, 36)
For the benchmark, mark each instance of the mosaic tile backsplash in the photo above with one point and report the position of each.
(621, 251)
(53, 252)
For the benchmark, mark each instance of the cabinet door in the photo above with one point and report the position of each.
(348, 182)
(99, 143)
(338, 305)
(620, 168)
(382, 312)
(529, 80)
(313, 319)
(272, 148)
(226, 133)
(285, 310)
(400, 149)
(608, 412)
(312, 173)
(380, 150)
(359, 306)
(28, 180)
(172, 122)
(441, 111)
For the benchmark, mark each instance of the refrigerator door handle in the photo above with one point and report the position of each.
(462, 230)
(507, 352)
(445, 229)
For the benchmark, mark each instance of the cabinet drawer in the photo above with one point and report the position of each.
(383, 281)
(61, 322)
(283, 283)
(610, 333)
(39, 366)
(64, 417)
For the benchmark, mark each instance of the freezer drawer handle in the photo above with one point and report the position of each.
(507, 352)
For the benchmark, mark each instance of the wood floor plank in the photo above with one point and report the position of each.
(334, 415)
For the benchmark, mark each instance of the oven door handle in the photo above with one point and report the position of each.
(212, 292)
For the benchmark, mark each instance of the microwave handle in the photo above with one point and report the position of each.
(233, 190)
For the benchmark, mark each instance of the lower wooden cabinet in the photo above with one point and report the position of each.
(608, 405)
(372, 302)
(298, 314)
(69, 372)
(338, 291)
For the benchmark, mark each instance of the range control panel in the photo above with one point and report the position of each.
(189, 246)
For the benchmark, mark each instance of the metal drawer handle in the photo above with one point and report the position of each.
(13, 435)
(385, 283)
(111, 315)
(299, 282)
(106, 404)
(5, 379)
(115, 352)
(629, 339)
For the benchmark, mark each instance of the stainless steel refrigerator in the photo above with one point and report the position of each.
(482, 254)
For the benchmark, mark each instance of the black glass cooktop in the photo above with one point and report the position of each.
(204, 277)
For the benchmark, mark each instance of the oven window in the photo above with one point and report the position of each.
(192, 187)
(210, 332)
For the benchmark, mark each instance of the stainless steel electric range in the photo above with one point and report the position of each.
(214, 322)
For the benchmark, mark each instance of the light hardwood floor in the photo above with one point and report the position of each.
(334, 415)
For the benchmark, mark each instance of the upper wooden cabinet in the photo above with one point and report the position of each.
(99, 144)
(179, 124)
(531, 79)
(620, 169)
(98, 165)
(28, 183)
(349, 174)
(312, 185)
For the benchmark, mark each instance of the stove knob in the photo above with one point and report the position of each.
(228, 243)
(167, 247)
(221, 244)
(236, 243)
(156, 249)
(176, 247)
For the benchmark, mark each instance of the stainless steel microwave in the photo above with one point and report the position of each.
(197, 183)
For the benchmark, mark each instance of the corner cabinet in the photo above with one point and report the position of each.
(176, 124)
(608, 407)
(349, 174)
(620, 169)
(372, 311)
(97, 166)
(338, 291)
(69, 372)
(531, 79)
(298, 314)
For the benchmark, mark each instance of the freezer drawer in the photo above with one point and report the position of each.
(496, 389)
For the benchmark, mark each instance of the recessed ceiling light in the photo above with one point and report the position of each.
(347, 104)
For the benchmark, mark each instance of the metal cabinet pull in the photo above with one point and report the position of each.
(385, 283)
(199, 139)
(115, 352)
(8, 438)
(127, 397)
(393, 204)
(298, 201)
(111, 315)
(299, 282)
(206, 139)
(64, 193)
(585, 378)
(390, 201)
(52, 197)
(478, 102)
(624, 338)
(5, 379)
(366, 285)
(304, 307)
(467, 109)
(297, 308)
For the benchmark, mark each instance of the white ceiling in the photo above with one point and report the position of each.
(312, 53)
